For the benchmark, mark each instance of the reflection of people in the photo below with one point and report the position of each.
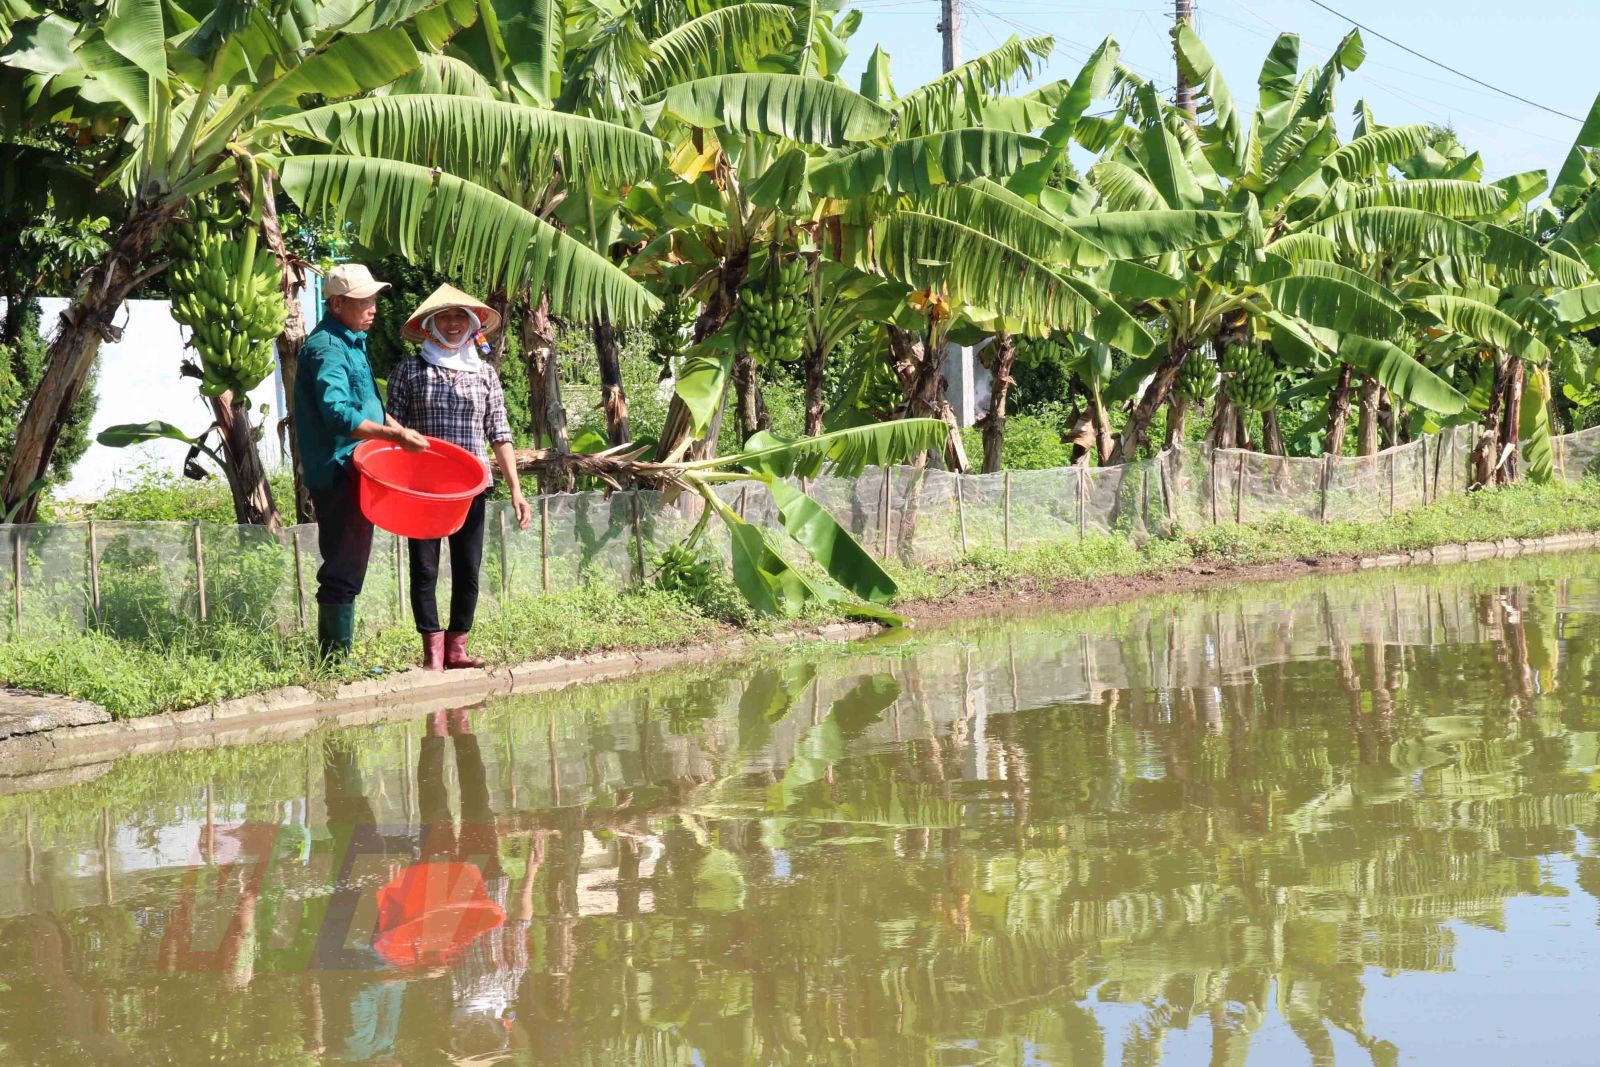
(335, 405)
(446, 913)
(361, 1000)
(450, 393)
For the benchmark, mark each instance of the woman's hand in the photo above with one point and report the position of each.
(507, 459)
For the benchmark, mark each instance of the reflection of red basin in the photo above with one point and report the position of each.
(432, 912)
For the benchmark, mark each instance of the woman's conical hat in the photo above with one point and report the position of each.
(448, 296)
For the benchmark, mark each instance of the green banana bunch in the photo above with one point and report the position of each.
(228, 294)
(666, 330)
(1249, 377)
(773, 311)
(1197, 379)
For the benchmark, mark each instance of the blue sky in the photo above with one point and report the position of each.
(1545, 50)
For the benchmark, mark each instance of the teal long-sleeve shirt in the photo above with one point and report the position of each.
(334, 392)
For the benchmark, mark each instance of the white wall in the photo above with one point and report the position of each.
(967, 381)
(139, 381)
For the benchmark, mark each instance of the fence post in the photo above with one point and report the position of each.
(399, 581)
(1166, 495)
(199, 571)
(1213, 485)
(1006, 508)
(883, 533)
(1238, 491)
(94, 571)
(1083, 499)
(1144, 502)
(1424, 468)
(505, 564)
(638, 543)
(1391, 481)
(299, 577)
(744, 492)
(16, 577)
(1327, 476)
(961, 510)
(544, 543)
(1439, 458)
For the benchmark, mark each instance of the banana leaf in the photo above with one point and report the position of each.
(830, 544)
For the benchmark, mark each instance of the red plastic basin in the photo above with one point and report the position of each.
(418, 494)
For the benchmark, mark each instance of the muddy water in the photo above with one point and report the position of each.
(1340, 822)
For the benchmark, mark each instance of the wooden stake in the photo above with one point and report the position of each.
(544, 543)
(1213, 487)
(16, 577)
(299, 578)
(1238, 491)
(1439, 458)
(1144, 505)
(961, 510)
(399, 580)
(505, 564)
(883, 532)
(200, 571)
(1424, 468)
(1391, 481)
(94, 571)
(1166, 494)
(638, 542)
(1083, 499)
(1006, 508)
(744, 493)
(1327, 476)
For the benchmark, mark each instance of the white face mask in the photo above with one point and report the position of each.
(462, 356)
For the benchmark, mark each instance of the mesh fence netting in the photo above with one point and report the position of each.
(135, 579)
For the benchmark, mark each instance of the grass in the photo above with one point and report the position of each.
(1518, 511)
(198, 664)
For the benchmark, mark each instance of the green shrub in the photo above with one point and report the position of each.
(1032, 442)
(157, 494)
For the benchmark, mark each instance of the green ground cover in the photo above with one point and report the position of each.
(196, 664)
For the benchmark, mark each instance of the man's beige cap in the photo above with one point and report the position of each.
(353, 280)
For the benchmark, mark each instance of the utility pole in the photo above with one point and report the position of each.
(1183, 95)
(950, 28)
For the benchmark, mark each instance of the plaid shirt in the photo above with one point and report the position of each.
(453, 406)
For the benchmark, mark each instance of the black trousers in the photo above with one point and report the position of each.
(477, 841)
(466, 559)
(344, 536)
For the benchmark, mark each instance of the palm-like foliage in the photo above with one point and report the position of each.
(195, 101)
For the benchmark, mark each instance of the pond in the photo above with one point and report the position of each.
(1344, 820)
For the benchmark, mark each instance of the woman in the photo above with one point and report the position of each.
(447, 391)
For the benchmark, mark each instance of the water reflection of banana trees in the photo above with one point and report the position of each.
(1045, 841)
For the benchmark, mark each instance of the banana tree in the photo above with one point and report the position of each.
(1300, 198)
(835, 190)
(195, 97)
(855, 583)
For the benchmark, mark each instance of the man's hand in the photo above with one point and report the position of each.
(519, 504)
(410, 440)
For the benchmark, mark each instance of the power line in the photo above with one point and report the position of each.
(1442, 66)
(1417, 101)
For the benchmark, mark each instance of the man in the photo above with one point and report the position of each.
(336, 405)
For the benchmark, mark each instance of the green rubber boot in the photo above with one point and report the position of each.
(336, 629)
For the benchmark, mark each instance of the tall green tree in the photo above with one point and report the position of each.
(197, 98)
